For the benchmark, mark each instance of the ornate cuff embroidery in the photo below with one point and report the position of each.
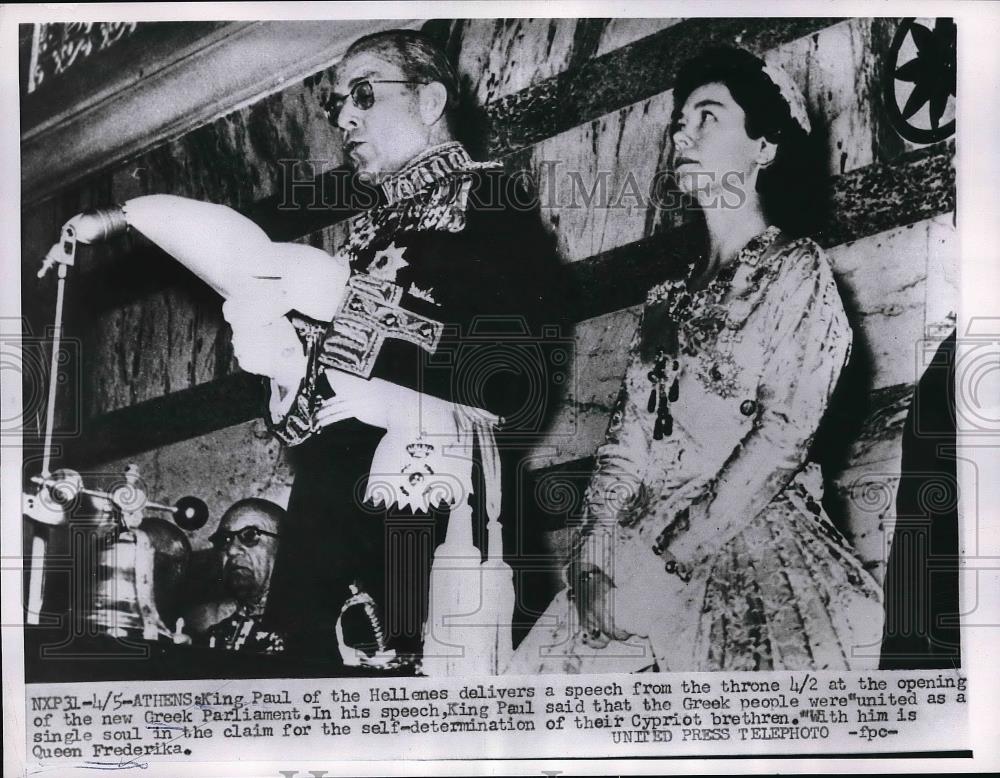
(296, 425)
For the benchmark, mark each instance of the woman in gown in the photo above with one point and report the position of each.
(703, 544)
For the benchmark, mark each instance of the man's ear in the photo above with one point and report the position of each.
(766, 153)
(433, 100)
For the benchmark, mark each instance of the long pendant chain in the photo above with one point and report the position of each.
(683, 307)
(665, 372)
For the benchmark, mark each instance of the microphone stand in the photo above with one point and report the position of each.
(62, 255)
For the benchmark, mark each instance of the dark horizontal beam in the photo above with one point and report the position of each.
(627, 75)
(174, 417)
(309, 206)
(916, 185)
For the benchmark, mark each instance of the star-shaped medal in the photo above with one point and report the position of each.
(388, 262)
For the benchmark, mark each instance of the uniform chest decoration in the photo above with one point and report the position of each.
(430, 194)
(387, 263)
(242, 632)
(369, 314)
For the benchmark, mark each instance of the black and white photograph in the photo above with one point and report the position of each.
(594, 382)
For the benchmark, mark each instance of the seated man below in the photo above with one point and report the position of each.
(247, 541)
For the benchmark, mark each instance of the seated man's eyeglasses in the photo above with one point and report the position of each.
(362, 95)
(248, 536)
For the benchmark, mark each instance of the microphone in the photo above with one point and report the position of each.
(87, 227)
(98, 225)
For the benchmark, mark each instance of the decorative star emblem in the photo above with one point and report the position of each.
(388, 262)
(931, 72)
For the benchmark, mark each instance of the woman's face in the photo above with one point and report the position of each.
(712, 153)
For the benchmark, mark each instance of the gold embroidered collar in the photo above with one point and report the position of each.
(430, 167)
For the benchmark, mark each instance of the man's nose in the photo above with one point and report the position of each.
(349, 117)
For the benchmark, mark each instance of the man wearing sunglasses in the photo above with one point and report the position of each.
(246, 541)
(451, 280)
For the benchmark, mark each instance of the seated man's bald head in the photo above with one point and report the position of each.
(255, 506)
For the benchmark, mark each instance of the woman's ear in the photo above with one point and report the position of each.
(766, 153)
(433, 100)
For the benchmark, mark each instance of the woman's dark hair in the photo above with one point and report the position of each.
(791, 187)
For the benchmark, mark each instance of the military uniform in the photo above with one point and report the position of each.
(451, 295)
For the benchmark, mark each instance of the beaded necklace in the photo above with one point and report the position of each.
(694, 320)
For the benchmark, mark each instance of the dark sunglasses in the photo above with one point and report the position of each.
(362, 95)
(248, 536)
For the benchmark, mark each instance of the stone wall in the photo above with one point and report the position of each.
(593, 97)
